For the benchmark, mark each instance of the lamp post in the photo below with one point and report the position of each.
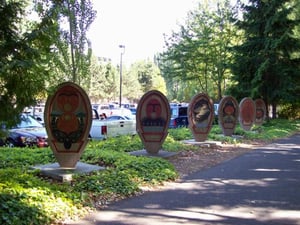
(122, 47)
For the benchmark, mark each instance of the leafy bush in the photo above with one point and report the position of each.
(180, 134)
(27, 199)
(107, 182)
(25, 157)
(289, 111)
(124, 143)
(151, 170)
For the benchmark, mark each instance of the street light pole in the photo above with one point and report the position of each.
(122, 47)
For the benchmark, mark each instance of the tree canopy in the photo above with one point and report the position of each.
(23, 68)
(198, 53)
(71, 50)
(266, 64)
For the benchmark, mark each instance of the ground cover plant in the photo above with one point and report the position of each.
(27, 198)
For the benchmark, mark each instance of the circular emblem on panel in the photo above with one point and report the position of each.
(247, 113)
(68, 118)
(153, 117)
(228, 112)
(261, 111)
(200, 116)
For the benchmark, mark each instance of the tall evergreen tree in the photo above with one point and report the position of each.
(266, 64)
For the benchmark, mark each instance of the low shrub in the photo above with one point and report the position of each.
(27, 199)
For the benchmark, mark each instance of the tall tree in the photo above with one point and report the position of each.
(266, 63)
(72, 50)
(132, 90)
(148, 76)
(23, 68)
(103, 83)
(199, 51)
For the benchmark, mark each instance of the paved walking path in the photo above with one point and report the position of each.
(261, 187)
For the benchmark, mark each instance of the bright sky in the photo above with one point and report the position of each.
(137, 24)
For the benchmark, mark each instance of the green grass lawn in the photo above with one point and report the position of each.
(26, 198)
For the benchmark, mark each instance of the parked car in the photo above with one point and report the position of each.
(179, 117)
(29, 132)
(133, 111)
(111, 126)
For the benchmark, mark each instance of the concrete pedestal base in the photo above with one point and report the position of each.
(162, 154)
(54, 171)
(203, 143)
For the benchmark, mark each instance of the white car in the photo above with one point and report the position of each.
(111, 126)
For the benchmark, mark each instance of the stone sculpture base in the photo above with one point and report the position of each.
(208, 144)
(161, 153)
(54, 171)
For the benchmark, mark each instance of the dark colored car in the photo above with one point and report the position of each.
(29, 132)
(179, 117)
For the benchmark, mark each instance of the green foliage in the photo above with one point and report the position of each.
(24, 157)
(23, 70)
(267, 62)
(148, 76)
(27, 198)
(72, 55)
(274, 129)
(180, 134)
(289, 111)
(104, 78)
(107, 182)
(126, 174)
(122, 143)
(198, 53)
(149, 170)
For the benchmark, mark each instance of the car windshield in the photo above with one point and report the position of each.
(182, 111)
(28, 121)
(174, 112)
(179, 111)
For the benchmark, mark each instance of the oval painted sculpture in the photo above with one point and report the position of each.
(228, 112)
(261, 111)
(247, 113)
(200, 116)
(152, 120)
(68, 119)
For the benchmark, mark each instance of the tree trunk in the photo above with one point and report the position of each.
(274, 110)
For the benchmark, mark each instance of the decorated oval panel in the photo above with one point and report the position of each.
(153, 116)
(68, 115)
(228, 112)
(200, 115)
(261, 111)
(247, 113)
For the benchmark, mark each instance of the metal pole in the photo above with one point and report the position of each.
(122, 52)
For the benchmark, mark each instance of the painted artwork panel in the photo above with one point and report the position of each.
(200, 115)
(68, 115)
(247, 113)
(153, 116)
(261, 112)
(228, 113)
